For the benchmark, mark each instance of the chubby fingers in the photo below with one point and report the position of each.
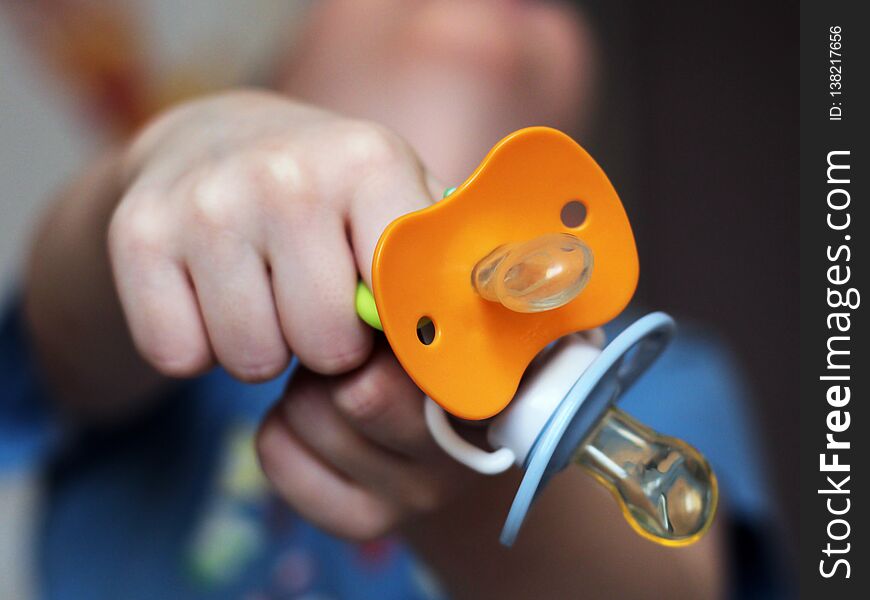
(314, 279)
(382, 403)
(366, 431)
(315, 490)
(154, 287)
(247, 258)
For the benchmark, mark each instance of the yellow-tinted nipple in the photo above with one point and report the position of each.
(541, 274)
(667, 490)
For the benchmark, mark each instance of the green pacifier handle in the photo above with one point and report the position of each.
(365, 300)
(365, 306)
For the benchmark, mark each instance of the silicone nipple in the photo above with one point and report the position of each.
(667, 491)
(541, 274)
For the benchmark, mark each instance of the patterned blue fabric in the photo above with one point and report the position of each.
(174, 507)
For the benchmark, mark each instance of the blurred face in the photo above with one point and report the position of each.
(452, 76)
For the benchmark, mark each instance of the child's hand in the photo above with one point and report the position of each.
(352, 453)
(245, 222)
(240, 239)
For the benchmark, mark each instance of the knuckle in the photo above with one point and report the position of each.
(136, 229)
(372, 145)
(211, 207)
(362, 397)
(275, 172)
(267, 179)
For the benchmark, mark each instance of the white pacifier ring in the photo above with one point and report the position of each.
(488, 463)
(514, 431)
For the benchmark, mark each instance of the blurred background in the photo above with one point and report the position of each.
(695, 120)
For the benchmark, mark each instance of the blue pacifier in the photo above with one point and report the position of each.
(658, 484)
(564, 412)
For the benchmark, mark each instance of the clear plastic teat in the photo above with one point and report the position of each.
(666, 488)
(541, 274)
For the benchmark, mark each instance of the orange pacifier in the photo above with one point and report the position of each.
(534, 247)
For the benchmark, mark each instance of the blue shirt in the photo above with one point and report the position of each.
(174, 506)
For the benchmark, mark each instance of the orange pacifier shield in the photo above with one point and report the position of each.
(466, 341)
